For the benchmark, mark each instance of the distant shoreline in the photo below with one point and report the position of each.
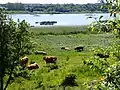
(24, 12)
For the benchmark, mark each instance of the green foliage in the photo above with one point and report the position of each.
(98, 63)
(113, 76)
(99, 25)
(14, 42)
(108, 25)
(113, 6)
(111, 72)
(111, 80)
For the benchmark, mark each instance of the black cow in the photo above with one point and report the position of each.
(102, 55)
(79, 49)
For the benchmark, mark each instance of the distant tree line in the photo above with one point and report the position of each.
(55, 8)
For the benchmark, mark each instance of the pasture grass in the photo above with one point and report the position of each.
(68, 62)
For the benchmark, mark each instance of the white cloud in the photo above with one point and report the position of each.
(50, 1)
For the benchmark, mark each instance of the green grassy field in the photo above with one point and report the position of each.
(50, 40)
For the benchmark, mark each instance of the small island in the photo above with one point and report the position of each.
(48, 22)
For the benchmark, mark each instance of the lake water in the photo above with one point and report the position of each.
(62, 19)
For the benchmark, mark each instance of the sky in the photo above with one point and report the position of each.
(50, 1)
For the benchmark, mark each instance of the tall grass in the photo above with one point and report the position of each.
(59, 30)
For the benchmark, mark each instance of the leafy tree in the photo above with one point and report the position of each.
(111, 73)
(14, 42)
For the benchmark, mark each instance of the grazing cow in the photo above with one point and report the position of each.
(65, 48)
(41, 52)
(50, 59)
(79, 49)
(102, 55)
(32, 26)
(62, 47)
(24, 61)
(33, 66)
(36, 22)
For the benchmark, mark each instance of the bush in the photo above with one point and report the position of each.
(69, 80)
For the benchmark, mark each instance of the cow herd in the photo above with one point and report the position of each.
(51, 59)
(48, 59)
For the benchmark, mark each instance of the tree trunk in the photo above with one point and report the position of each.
(7, 83)
(1, 79)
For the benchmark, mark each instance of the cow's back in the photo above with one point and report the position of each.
(50, 59)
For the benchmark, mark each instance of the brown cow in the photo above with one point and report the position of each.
(24, 61)
(50, 59)
(33, 66)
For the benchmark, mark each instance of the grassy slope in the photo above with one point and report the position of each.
(68, 61)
